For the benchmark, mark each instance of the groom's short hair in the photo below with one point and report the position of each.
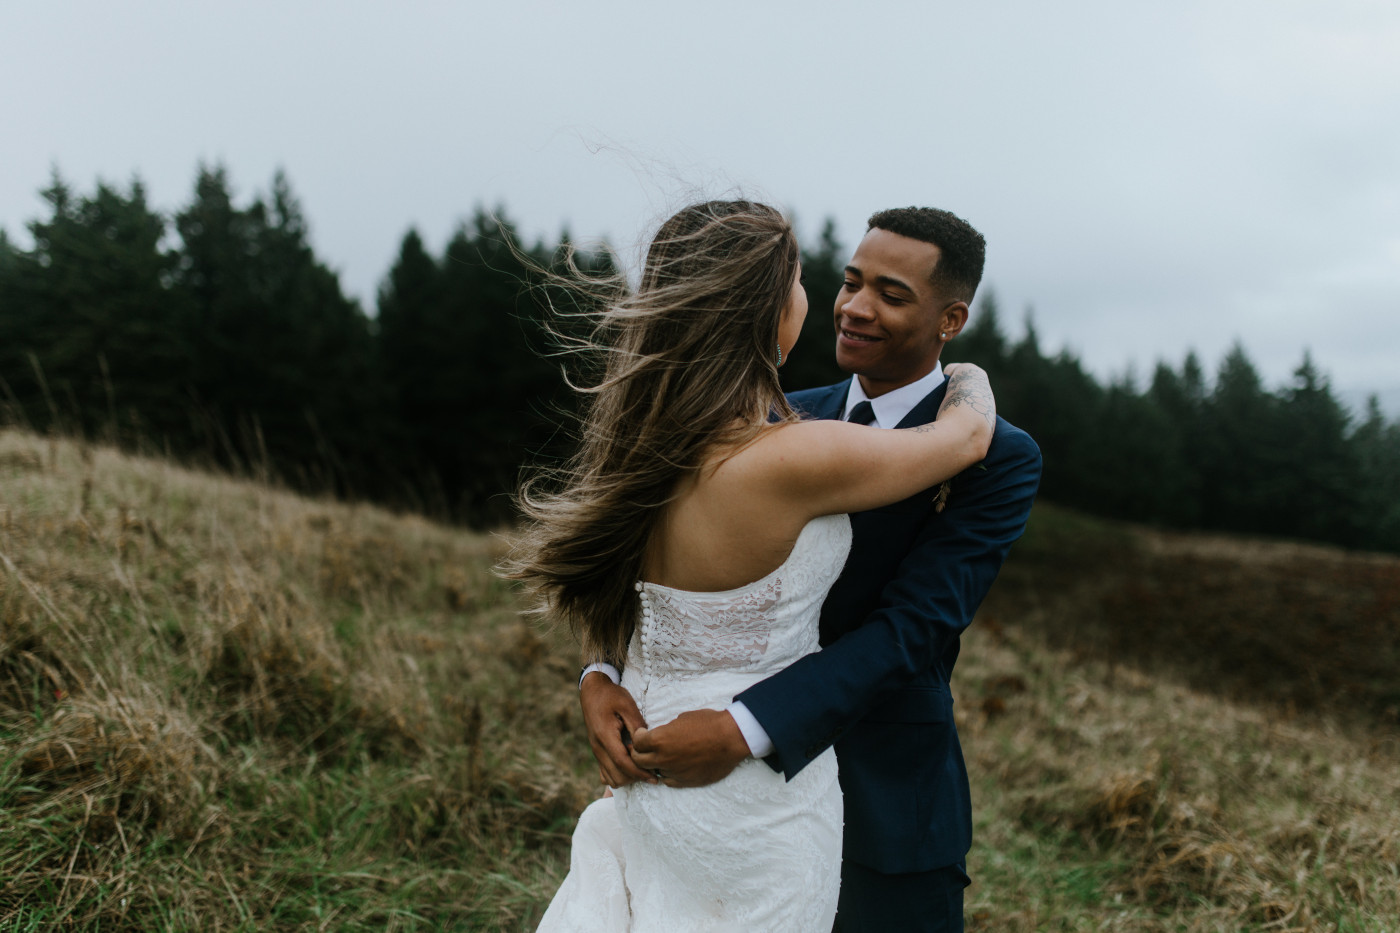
(962, 250)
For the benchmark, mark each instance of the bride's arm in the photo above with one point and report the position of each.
(832, 466)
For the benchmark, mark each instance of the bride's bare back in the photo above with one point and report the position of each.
(722, 531)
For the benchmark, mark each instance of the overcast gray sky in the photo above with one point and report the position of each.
(1151, 177)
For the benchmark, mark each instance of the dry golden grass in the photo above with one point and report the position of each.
(1112, 800)
(225, 707)
(1142, 780)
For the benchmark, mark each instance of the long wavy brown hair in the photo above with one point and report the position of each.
(689, 367)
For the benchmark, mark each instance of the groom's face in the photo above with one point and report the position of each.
(887, 316)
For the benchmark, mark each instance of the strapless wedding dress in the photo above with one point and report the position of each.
(750, 853)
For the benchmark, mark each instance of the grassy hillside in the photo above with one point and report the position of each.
(1174, 732)
(224, 707)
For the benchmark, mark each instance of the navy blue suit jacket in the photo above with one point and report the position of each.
(879, 688)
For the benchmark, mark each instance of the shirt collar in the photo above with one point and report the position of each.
(892, 407)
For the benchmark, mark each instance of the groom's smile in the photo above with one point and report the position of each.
(890, 326)
(856, 337)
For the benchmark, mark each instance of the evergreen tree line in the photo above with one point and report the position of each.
(1179, 451)
(216, 335)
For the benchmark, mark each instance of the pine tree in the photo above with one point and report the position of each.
(413, 358)
(467, 352)
(285, 362)
(1242, 459)
(1133, 456)
(1377, 446)
(982, 341)
(1059, 404)
(1180, 400)
(1323, 479)
(89, 333)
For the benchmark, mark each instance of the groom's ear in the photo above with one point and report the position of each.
(952, 319)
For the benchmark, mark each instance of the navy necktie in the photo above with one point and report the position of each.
(863, 413)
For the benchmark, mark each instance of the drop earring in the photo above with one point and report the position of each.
(780, 354)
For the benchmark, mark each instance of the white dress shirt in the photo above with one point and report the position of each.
(890, 409)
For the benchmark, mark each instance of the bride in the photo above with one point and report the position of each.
(691, 541)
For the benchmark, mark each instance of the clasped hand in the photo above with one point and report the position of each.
(694, 749)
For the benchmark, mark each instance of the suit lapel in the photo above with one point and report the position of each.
(832, 404)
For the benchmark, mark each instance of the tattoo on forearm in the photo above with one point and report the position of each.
(975, 392)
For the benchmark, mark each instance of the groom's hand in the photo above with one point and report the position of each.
(611, 717)
(692, 750)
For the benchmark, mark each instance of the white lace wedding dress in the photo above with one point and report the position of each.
(753, 852)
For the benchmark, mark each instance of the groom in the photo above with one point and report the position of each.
(917, 571)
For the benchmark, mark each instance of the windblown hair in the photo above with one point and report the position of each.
(689, 369)
(962, 250)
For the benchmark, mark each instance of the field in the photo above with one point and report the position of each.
(226, 707)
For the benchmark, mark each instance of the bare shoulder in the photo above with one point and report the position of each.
(782, 450)
(801, 463)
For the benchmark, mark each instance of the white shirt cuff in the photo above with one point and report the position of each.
(612, 673)
(760, 745)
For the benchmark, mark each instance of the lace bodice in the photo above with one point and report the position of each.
(708, 646)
